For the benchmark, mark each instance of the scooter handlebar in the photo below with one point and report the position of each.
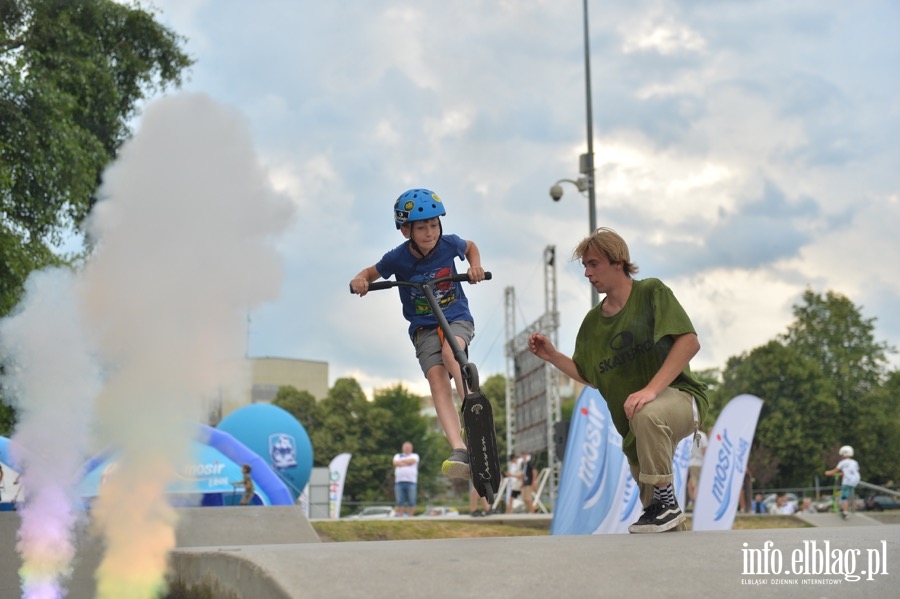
(388, 284)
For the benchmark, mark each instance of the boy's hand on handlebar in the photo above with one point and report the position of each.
(359, 285)
(475, 274)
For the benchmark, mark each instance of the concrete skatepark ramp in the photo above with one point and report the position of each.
(689, 564)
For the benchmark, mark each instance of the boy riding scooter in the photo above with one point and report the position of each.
(429, 253)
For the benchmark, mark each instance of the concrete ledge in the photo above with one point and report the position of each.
(226, 573)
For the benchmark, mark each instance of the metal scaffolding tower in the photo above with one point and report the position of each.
(532, 390)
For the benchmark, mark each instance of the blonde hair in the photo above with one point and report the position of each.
(610, 245)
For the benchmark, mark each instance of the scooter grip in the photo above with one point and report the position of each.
(377, 285)
(463, 277)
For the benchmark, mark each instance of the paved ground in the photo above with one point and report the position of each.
(276, 558)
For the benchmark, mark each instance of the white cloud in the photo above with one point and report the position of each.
(661, 34)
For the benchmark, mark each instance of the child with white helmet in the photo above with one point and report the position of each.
(427, 254)
(849, 469)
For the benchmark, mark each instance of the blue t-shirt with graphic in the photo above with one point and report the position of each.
(401, 264)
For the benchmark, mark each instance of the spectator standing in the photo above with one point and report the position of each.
(514, 476)
(529, 480)
(406, 479)
(475, 500)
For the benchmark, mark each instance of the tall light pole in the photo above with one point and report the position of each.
(586, 181)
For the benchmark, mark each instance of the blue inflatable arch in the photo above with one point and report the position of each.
(217, 463)
(11, 490)
(262, 475)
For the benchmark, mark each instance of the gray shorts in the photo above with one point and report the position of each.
(428, 344)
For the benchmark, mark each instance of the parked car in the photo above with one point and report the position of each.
(437, 511)
(826, 504)
(374, 511)
(883, 502)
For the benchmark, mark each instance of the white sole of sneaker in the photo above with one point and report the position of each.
(651, 528)
(455, 470)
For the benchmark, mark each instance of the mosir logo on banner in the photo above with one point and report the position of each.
(725, 464)
(593, 454)
(210, 474)
(729, 464)
(283, 450)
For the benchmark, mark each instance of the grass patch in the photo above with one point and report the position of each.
(768, 521)
(414, 529)
(408, 530)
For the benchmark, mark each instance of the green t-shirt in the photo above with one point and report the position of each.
(619, 354)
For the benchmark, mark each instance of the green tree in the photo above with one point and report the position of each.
(343, 425)
(71, 77)
(712, 378)
(300, 404)
(831, 331)
(494, 388)
(875, 434)
(7, 419)
(372, 432)
(797, 418)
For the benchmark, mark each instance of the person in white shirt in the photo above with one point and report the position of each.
(406, 478)
(514, 474)
(784, 506)
(849, 470)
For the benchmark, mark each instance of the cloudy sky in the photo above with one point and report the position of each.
(747, 150)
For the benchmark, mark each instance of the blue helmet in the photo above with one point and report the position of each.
(417, 204)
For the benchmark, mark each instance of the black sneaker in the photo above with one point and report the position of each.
(658, 517)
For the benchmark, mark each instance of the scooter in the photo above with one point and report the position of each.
(478, 416)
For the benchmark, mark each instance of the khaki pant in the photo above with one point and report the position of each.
(658, 428)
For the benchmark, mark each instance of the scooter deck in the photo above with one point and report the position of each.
(481, 443)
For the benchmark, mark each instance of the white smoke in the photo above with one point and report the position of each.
(184, 246)
(53, 379)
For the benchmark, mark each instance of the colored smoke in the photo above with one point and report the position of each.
(184, 245)
(51, 372)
